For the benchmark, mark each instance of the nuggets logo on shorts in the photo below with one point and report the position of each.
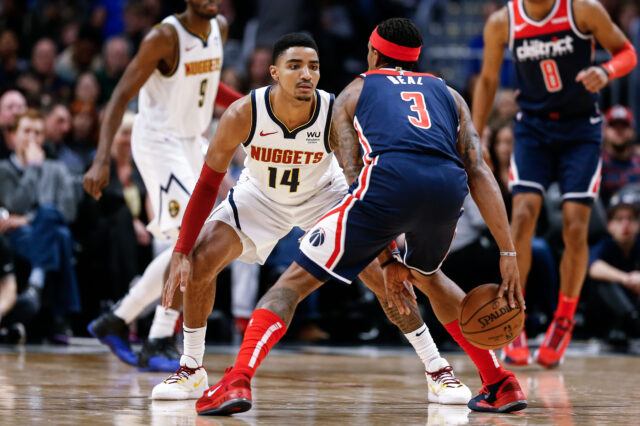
(174, 208)
(317, 237)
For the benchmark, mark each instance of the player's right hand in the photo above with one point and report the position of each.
(397, 284)
(511, 281)
(96, 178)
(179, 274)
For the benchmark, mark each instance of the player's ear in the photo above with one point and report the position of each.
(273, 70)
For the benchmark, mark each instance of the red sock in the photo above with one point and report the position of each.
(490, 369)
(265, 330)
(566, 306)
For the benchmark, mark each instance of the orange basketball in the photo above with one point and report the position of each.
(487, 321)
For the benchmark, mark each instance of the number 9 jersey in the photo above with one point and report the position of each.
(289, 166)
(180, 104)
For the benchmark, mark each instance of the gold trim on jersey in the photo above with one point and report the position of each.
(313, 113)
(202, 39)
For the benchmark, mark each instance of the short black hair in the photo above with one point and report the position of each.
(403, 32)
(292, 40)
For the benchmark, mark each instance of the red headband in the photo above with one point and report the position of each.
(392, 50)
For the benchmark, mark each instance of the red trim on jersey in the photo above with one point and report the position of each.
(338, 241)
(363, 141)
(403, 73)
(525, 27)
(393, 50)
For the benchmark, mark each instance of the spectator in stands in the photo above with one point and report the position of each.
(138, 19)
(84, 133)
(39, 196)
(43, 59)
(10, 64)
(614, 264)
(12, 104)
(505, 108)
(16, 310)
(117, 55)
(258, 74)
(116, 245)
(500, 149)
(81, 56)
(620, 162)
(57, 125)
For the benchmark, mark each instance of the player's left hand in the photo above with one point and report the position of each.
(179, 274)
(398, 287)
(511, 281)
(593, 79)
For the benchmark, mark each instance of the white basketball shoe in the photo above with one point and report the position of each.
(443, 386)
(189, 382)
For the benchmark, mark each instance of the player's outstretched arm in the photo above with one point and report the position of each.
(158, 47)
(343, 139)
(486, 194)
(233, 129)
(591, 17)
(496, 37)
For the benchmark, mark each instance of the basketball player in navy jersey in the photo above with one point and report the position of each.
(557, 132)
(420, 153)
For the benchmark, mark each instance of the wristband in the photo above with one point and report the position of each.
(387, 263)
(606, 71)
(508, 253)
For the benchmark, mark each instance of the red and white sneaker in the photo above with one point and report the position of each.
(504, 396)
(551, 352)
(443, 386)
(232, 394)
(517, 352)
(186, 383)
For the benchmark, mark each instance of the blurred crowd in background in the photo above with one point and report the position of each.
(65, 257)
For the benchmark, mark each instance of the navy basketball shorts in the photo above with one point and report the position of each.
(416, 195)
(564, 151)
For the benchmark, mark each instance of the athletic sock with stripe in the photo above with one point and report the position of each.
(265, 330)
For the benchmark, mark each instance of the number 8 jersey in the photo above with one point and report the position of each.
(181, 104)
(548, 55)
(289, 165)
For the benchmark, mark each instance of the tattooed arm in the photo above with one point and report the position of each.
(343, 138)
(486, 194)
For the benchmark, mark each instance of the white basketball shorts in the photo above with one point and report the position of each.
(170, 168)
(261, 222)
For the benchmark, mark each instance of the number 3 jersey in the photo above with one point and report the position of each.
(548, 55)
(289, 166)
(181, 104)
(407, 112)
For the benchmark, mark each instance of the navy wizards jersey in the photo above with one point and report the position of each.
(548, 55)
(402, 111)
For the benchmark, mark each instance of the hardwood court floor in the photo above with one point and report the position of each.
(312, 386)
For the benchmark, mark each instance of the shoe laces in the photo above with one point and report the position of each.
(181, 375)
(445, 376)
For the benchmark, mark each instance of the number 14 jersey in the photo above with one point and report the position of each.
(289, 165)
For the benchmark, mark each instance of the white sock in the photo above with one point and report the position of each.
(147, 289)
(423, 344)
(164, 322)
(194, 342)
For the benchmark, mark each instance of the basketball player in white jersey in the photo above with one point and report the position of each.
(176, 73)
(291, 178)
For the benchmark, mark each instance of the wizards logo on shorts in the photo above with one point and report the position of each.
(317, 237)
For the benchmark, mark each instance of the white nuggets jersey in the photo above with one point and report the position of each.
(181, 104)
(289, 166)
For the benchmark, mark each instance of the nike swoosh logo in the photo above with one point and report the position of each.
(198, 382)
(267, 134)
(422, 332)
(595, 120)
(211, 392)
(190, 47)
(520, 27)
